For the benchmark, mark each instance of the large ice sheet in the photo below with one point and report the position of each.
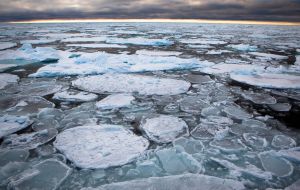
(100, 146)
(164, 128)
(178, 182)
(6, 79)
(268, 80)
(38, 41)
(126, 83)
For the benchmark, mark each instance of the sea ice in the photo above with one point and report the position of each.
(4, 67)
(126, 83)
(243, 47)
(7, 45)
(178, 182)
(255, 140)
(100, 146)
(115, 101)
(29, 140)
(203, 41)
(157, 53)
(97, 45)
(197, 79)
(268, 56)
(175, 162)
(38, 41)
(231, 68)
(6, 79)
(281, 107)
(14, 155)
(206, 131)
(47, 175)
(259, 98)
(163, 128)
(293, 186)
(283, 142)
(193, 104)
(42, 88)
(12, 124)
(237, 113)
(189, 145)
(75, 96)
(85, 39)
(228, 145)
(277, 166)
(140, 41)
(269, 80)
(292, 154)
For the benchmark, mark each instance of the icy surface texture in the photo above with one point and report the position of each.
(100, 146)
(75, 96)
(7, 45)
(12, 124)
(125, 83)
(115, 101)
(6, 79)
(163, 128)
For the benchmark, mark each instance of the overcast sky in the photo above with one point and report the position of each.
(274, 10)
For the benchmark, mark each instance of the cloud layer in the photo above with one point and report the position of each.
(275, 10)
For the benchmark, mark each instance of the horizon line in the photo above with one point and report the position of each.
(204, 21)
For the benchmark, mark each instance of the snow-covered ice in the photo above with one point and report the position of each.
(126, 83)
(140, 41)
(115, 101)
(231, 68)
(75, 96)
(97, 45)
(163, 128)
(12, 124)
(100, 146)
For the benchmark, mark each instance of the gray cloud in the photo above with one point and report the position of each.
(276, 10)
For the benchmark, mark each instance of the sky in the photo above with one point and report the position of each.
(258, 10)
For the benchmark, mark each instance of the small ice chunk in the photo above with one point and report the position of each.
(29, 140)
(38, 41)
(277, 166)
(205, 131)
(228, 145)
(237, 113)
(85, 39)
(176, 162)
(283, 142)
(178, 182)
(243, 47)
(163, 128)
(6, 79)
(157, 53)
(46, 175)
(255, 140)
(217, 120)
(126, 83)
(254, 123)
(217, 52)
(231, 68)
(269, 56)
(269, 80)
(281, 107)
(259, 98)
(197, 79)
(115, 101)
(140, 41)
(12, 124)
(43, 88)
(189, 145)
(100, 146)
(7, 45)
(292, 154)
(75, 96)
(97, 45)
(192, 104)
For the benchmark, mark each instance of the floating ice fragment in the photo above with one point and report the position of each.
(12, 124)
(140, 41)
(85, 39)
(7, 45)
(6, 79)
(100, 146)
(115, 101)
(157, 53)
(259, 98)
(203, 41)
(97, 45)
(178, 182)
(237, 113)
(228, 145)
(4, 67)
(292, 154)
(29, 140)
(192, 104)
(14, 155)
(293, 186)
(230, 68)
(189, 145)
(163, 128)
(243, 47)
(207, 131)
(198, 79)
(255, 140)
(277, 166)
(283, 141)
(38, 41)
(269, 56)
(47, 175)
(125, 83)
(75, 96)
(176, 162)
(281, 107)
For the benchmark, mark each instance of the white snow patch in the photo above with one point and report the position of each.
(157, 53)
(115, 101)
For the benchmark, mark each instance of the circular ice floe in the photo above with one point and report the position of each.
(255, 140)
(6, 79)
(12, 124)
(163, 128)
(29, 140)
(228, 145)
(23, 105)
(100, 146)
(126, 83)
(269, 80)
(205, 131)
(283, 141)
(277, 166)
(75, 96)
(115, 101)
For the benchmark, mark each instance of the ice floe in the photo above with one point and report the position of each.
(237, 113)
(193, 104)
(259, 98)
(85, 39)
(97, 45)
(100, 146)
(75, 96)
(268, 80)
(115, 101)
(228, 145)
(231, 68)
(126, 83)
(277, 166)
(38, 41)
(157, 53)
(29, 140)
(6, 79)
(163, 128)
(268, 56)
(281, 107)
(4, 67)
(179, 182)
(283, 141)
(243, 47)
(48, 175)
(140, 41)
(198, 79)
(7, 45)
(292, 154)
(189, 145)
(255, 140)
(203, 41)
(12, 124)
(206, 131)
